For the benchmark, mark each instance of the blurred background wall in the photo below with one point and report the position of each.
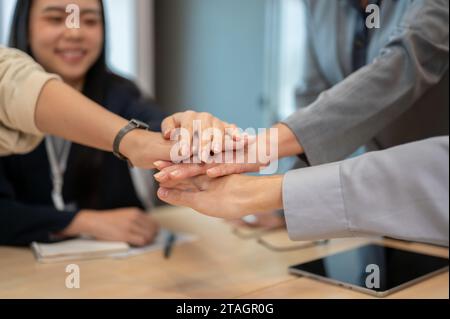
(239, 60)
(228, 57)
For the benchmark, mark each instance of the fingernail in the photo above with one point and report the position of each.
(158, 164)
(175, 173)
(163, 192)
(160, 175)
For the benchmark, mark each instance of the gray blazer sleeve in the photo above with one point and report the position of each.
(353, 111)
(400, 192)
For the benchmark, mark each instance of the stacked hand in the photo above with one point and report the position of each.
(228, 197)
(206, 180)
(143, 148)
(215, 188)
(184, 135)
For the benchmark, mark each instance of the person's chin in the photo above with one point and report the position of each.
(72, 69)
(70, 72)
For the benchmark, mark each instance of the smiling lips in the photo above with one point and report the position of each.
(71, 56)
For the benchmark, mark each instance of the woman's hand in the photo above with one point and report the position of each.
(258, 153)
(204, 134)
(246, 160)
(228, 197)
(130, 225)
(143, 148)
(178, 172)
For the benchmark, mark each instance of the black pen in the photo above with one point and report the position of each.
(169, 244)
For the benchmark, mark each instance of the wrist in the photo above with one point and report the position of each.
(132, 142)
(143, 148)
(262, 193)
(81, 224)
(288, 144)
(266, 148)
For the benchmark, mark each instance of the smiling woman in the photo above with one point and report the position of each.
(135, 18)
(61, 189)
(76, 184)
(69, 52)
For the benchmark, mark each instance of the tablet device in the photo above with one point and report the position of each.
(373, 269)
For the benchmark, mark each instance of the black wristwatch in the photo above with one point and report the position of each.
(132, 125)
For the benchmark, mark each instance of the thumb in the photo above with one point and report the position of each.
(167, 125)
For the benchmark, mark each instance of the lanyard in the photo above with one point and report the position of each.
(58, 164)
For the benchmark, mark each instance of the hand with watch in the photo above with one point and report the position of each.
(143, 148)
(85, 122)
(140, 147)
(132, 125)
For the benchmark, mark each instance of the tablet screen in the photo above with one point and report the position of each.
(373, 267)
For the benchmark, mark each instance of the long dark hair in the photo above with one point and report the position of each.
(87, 161)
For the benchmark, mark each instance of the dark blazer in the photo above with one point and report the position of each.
(93, 179)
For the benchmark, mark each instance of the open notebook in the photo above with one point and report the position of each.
(85, 248)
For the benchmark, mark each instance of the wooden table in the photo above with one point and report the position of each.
(218, 265)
